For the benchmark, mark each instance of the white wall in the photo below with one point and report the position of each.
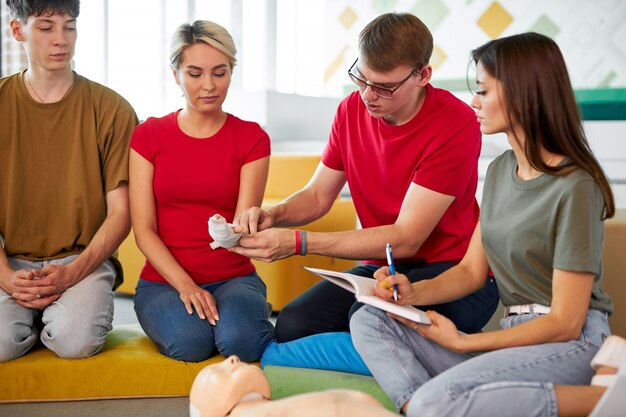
(303, 118)
(607, 140)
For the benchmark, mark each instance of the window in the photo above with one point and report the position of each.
(304, 47)
(300, 60)
(131, 55)
(280, 46)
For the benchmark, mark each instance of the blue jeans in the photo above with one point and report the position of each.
(244, 328)
(74, 326)
(438, 382)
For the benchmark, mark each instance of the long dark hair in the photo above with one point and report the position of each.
(539, 96)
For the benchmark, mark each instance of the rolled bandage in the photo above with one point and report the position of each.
(222, 233)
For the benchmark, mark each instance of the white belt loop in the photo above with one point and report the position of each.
(526, 309)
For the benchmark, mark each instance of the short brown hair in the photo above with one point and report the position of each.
(394, 39)
(22, 9)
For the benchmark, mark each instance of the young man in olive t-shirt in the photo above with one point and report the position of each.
(63, 191)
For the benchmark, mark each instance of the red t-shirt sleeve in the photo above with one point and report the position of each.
(139, 141)
(258, 145)
(331, 156)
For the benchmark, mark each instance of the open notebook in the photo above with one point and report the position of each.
(363, 289)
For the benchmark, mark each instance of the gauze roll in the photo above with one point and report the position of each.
(222, 233)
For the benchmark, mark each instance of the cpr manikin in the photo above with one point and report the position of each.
(236, 389)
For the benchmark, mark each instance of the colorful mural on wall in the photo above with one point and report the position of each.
(591, 34)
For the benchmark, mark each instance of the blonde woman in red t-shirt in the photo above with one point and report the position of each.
(192, 300)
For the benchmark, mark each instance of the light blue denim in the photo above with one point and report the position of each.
(507, 382)
(330, 351)
(74, 326)
(244, 328)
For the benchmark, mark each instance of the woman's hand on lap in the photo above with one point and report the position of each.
(201, 300)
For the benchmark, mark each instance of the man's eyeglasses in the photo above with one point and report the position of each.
(383, 92)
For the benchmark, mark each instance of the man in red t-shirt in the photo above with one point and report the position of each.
(409, 154)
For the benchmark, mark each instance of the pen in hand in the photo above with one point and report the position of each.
(392, 269)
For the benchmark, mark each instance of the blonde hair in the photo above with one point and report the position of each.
(201, 31)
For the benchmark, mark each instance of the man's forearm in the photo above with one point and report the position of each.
(364, 243)
(109, 236)
(298, 209)
(107, 239)
(6, 271)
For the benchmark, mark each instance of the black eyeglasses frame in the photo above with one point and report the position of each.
(378, 90)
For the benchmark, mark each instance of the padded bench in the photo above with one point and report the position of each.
(130, 366)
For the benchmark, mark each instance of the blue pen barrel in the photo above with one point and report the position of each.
(392, 269)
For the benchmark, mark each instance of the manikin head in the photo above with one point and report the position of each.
(219, 387)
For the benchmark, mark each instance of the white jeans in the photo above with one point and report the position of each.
(74, 326)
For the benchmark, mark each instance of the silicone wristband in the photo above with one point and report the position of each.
(297, 233)
(302, 242)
